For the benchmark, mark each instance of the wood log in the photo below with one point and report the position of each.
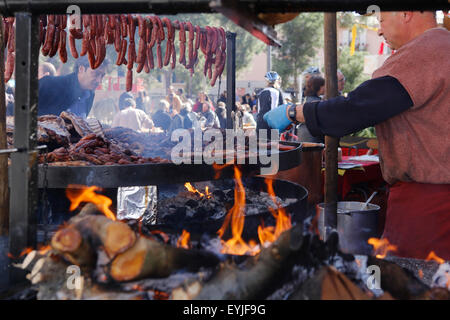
(329, 284)
(150, 258)
(260, 276)
(52, 281)
(399, 282)
(70, 244)
(78, 242)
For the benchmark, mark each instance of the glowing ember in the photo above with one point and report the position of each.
(420, 273)
(381, 247)
(160, 295)
(434, 257)
(79, 194)
(184, 240)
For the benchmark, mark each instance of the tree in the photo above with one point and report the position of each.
(352, 68)
(300, 38)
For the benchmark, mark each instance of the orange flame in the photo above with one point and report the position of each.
(193, 190)
(86, 194)
(236, 216)
(44, 249)
(218, 168)
(184, 240)
(381, 247)
(24, 252)
(208, 194)
(268, 235)
(433, 256)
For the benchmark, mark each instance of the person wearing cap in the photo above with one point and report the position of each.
(411, 117)
(131, 117)
(269, 98)
(74, 92)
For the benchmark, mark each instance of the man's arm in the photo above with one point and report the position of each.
(372, 102)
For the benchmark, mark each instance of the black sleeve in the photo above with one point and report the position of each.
(48, 94)
(280, 98)
(374, 101)
(265, 102)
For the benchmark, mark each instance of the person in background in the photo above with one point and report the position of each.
(269, 98)
(73, 92)
(202, 97)
(223, 97)
(174, 101)
(315, 88)
(161, 118)
(221, 112)
(190, 118)
(247, 117)
(209, 118)
(411, 116)
(131, 117)
(46, 69)
(341, 82)
(142, 101)
(180, 94)
(308, 73)
(247, 99)
(9, 99)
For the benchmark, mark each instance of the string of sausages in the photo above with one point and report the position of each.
(98, 31)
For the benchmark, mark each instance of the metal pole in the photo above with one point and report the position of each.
(269, 58)
(331, 149)
(24, 188)
(231, 77)
(4, 191)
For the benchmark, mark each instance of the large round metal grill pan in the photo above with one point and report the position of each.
(157, 173)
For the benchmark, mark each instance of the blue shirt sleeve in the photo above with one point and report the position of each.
(374, 101)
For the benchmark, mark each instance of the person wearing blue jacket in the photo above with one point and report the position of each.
(73, 92)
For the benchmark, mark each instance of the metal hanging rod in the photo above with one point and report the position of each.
(167, 7)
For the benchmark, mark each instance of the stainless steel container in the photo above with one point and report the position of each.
(355, 225)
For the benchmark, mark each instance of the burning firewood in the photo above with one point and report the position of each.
(402, 284)
(130, 257)
(150, 258)
(78, 242)
(257, 279)
(329, 284)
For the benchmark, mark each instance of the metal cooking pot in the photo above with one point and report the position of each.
(355, 225)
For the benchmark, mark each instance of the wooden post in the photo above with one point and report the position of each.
(331, 143)
(4, 191)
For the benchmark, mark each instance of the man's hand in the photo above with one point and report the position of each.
(277, 118)
(300, 117)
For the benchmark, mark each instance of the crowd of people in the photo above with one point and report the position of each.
(75, 92)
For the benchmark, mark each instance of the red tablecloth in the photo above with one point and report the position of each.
(370, 175)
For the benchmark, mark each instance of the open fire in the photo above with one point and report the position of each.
(145, 263)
